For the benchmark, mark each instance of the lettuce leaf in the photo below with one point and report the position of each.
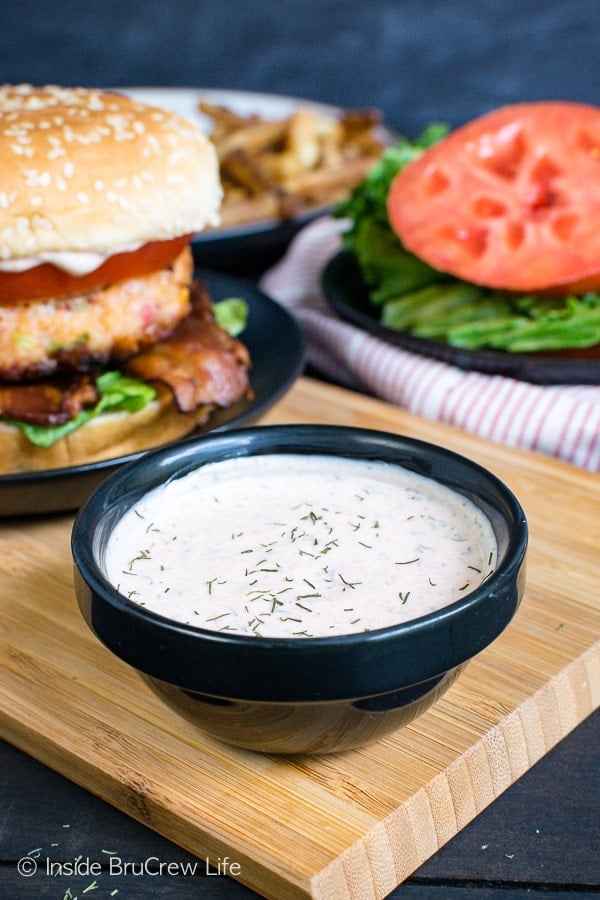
(231, 315)
(118, 393)
(367, 202)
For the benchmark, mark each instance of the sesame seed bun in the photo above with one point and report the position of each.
(90, 170)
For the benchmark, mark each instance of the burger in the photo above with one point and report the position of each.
(108, 346)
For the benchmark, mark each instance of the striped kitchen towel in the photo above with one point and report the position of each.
(560, 420)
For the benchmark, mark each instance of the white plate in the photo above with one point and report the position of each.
(256, 244)
(269, 106)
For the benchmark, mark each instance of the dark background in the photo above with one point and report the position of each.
(416, 60)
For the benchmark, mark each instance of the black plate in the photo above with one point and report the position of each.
(277, 350)
(347, 294)
(248, 249)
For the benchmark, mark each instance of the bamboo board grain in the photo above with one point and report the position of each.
(351, 825)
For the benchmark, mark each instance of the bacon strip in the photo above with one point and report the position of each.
(200, 362)
(51, 402)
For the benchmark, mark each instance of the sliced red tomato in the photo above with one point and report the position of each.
(511, 200)
(47, 280)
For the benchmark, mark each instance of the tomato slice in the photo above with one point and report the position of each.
(511, 200)
(46, 280)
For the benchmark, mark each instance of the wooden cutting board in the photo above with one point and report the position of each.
(349, 825)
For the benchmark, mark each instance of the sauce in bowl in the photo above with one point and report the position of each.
(292, 545)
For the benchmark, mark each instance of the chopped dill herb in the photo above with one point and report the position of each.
(143, 554)
(350, 584)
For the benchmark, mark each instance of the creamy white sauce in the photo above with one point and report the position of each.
(293, 545)
(74, 262)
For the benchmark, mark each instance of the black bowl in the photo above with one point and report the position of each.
(307, 695)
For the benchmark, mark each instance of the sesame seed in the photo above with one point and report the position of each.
(41, 222)
(7, 199)
(23, 225)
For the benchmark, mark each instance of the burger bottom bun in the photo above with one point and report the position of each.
(108, 436)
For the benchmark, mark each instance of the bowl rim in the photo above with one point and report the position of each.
(104, 608)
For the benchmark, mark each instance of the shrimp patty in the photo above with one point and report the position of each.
(80, 332)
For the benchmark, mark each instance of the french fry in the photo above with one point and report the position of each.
(222, 116)
(252, 138)
(280, 169)
(302, 138)
(239, 167)
(313, 183)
